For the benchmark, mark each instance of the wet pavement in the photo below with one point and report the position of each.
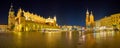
(103, 39)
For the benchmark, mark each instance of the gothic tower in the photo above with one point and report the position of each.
(89, 20)
(11, 18)
(11, 11)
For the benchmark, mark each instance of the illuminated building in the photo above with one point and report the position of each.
(70, 28)
(109, 22)
(115, 20)
(11, 18)
(3, 28)
(51, 21)
(26, 21)
(89, 20)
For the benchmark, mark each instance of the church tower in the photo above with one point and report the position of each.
(91, 20)
(11, 18)
(87, 18)
(11, 11)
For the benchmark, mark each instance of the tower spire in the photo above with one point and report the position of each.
(11, 11)
(11, 17)
(87, 12)
(11, 7)
(92, 18)
(91, 14)
(87, 17)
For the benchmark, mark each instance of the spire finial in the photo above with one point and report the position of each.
(87, 12)
(91, 14)
(11, 5)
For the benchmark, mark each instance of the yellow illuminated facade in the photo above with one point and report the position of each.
(11, 18)
(110, 21)
(26, 21)
(89, 20)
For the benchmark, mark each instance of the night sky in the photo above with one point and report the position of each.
(68, 12)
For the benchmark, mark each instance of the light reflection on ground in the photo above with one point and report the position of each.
(69, 39)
